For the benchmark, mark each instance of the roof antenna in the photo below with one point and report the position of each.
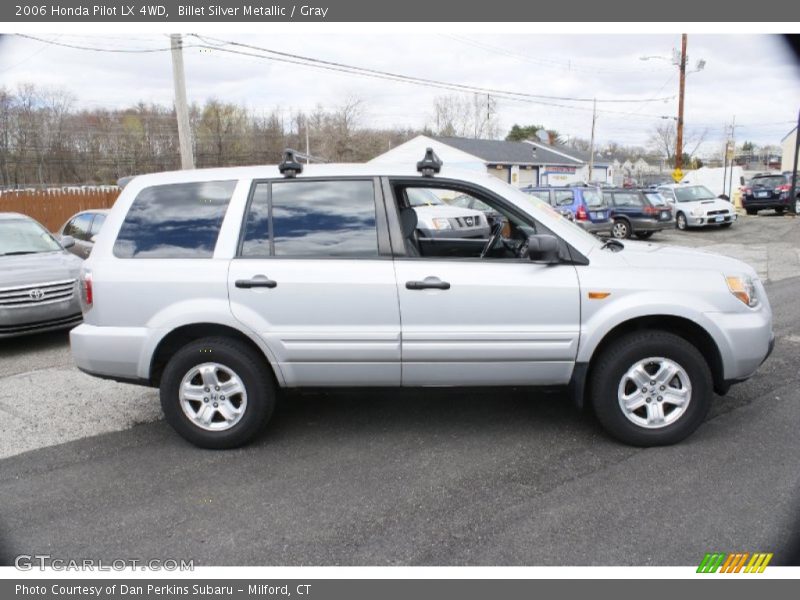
(430, 165)
(290, 167)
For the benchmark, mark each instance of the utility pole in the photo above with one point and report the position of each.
(794, 191)
(181, 110)
(591, 143)
(308, 145)
(682, 89)
(733, 158)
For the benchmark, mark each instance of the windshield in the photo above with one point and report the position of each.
(692, 193)
(768, 181)
(423, 197)
(20, 236)
(593, 198)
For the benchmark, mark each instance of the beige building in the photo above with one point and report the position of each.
(788, 145)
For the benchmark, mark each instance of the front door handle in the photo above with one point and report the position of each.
(429, 283)
(257, 282)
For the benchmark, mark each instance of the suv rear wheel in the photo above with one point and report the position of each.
(621, 229)
(651, 388)
(216, 392)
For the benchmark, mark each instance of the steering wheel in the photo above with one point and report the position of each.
(497, 232)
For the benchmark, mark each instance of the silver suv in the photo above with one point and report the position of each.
(222, 286)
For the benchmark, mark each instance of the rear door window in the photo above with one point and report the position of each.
(179, 220)
(593, 198)
(334, 219)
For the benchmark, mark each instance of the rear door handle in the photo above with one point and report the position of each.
(256, 282)
(430, 283)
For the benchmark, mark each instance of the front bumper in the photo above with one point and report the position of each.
(39, 318)
(746, 340)
(710, 221)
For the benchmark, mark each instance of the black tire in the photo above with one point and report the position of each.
(621, 229)
(751, 211)
(249, 365)
(680, 221)
(644, 235)
(609, 368)
(779, 210)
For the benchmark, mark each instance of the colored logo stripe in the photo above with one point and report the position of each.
(734, 562)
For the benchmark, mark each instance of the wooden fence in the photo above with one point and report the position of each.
(52, 208)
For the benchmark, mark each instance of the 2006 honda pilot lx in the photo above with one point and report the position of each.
(221, 286)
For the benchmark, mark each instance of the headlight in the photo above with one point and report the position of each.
(440, 223)
(742, 287)
(698, 212)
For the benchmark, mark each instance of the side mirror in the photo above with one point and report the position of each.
(67, 241)
(543, 248)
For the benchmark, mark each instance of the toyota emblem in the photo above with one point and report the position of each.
(36, 294)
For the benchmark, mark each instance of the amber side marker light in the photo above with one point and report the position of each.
(598, 295)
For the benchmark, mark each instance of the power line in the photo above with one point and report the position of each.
(221, 44)
(96, 48)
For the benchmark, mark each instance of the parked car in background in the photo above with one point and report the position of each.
(768, 191)
(696, 206)
(632, 213)
(467, 201)
(438, 219)
(586, 205)
(38, 278)
(220, 286)
(83, 227)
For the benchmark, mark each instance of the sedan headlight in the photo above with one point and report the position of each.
(743, 288)
(440, 223)
(698, 212)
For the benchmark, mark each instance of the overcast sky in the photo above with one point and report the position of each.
(753, 77)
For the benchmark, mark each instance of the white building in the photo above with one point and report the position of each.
(519, 163)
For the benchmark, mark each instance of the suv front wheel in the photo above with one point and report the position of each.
(651, 388)
(216, 392)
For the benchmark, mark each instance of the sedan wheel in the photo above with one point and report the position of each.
(621, 230)
(680, 221)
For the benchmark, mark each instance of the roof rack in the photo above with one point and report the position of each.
(289, 166)
(430, 165)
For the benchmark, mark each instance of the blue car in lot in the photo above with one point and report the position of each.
(637, 212)
(586, 205)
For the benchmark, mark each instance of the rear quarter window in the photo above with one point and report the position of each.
(180, 220)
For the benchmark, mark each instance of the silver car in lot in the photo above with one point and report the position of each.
(38, 279)
(220, 286)
(697, 206)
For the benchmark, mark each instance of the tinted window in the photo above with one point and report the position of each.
(563, 197)
(79, 227)
(97, 224)
(312, 218)
(627, 199)
(180, 220)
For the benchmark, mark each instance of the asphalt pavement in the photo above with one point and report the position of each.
(515, 477)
